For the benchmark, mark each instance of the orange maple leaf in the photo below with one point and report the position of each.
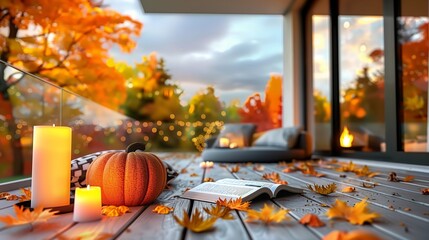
(196, 222)
(408, 178)
(259, 167)
(358, 214)
(219, 212)
(236, 204)
(365, 172)
(425, 191)
(267, 215)
(311, 220)
(26, 196)
(208, 179)
(25, 216)
(323, 189)
(114, 211)
(162, 209)
(353, 235)
(348, 189)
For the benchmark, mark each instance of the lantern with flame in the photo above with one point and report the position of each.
(346, 139)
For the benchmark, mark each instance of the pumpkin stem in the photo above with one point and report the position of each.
(135, 146)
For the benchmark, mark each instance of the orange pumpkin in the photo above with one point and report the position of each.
(128, 178)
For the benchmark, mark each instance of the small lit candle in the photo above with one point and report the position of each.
(50, 180)
(224, 142)
(87, 204)
(233, 145)
(206, 164)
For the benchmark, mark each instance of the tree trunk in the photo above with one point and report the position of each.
(7, 108)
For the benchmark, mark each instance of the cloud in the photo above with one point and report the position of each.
(233, 53)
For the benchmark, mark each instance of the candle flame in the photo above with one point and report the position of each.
(53, 125)
(346, 139)
(88, 187)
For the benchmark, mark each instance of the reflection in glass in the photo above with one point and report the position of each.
(361, 75)
(413, 42)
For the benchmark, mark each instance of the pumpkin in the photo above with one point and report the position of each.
(128, 178)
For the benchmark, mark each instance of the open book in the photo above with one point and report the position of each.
(233, 188)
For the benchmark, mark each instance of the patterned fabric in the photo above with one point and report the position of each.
(80, 165)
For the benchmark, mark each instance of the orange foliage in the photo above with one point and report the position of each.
(67, 43)
(358, 214)
(268, 114)
(311, 220)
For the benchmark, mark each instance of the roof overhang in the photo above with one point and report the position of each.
(217, 6)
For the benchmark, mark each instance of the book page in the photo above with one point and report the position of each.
(212, 191)
(275, 188)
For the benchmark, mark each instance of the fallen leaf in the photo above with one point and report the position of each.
(12, 197)
(162, 209)
(219, 212)
(353, 235)
(235, 169)
(425, 191)
(408, 178)
(26, 196)
(358, 214)
(208, 179)
(25, 216)
(236, 204)
(86, 236)
(259, 167)
(368, 185)
(323, 189)
(195, 223)
(392, 177)
(311, 220)
(407, 209)
(184, 170)
(114, 211)
(348, 189)
(289, 169)
(267, 215)
(193, 175)
(350, 167)
(4, 195)
(274, 177)
(365, 172)
(282, 164)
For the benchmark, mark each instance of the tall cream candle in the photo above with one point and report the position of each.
(50, 183)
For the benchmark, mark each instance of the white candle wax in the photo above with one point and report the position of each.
(87, 204)
(224, 142)
(50, 182)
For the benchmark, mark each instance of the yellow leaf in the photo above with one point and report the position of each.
(114, 211)
(219, 212)
(408, 178)
(193, 175)
(365, 172)
(236, 204)
(259, 167)
(25, 216)
(267, 215)
(358, 214)
(348, 189)
(311, 220)
(196, 222)
(208, 179)
(353, 235)
(162, 209)
(425, 191)
(235, 169)
(26, 196)
(323, 189)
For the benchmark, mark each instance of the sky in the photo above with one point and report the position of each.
(234, 53)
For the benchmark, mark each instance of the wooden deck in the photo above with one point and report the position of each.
(403, 208)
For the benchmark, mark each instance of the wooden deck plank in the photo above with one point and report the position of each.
(45, 230)
(379, 195)
(391, 221)
(301, 205)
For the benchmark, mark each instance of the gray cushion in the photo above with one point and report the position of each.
(239, 133)
(279, 137)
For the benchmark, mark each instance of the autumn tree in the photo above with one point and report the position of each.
(151, 95)
(266, 114)
(205, 106)
(65, 42)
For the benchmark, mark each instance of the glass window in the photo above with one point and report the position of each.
(320, 73)
(361, 72)
(413, 41)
